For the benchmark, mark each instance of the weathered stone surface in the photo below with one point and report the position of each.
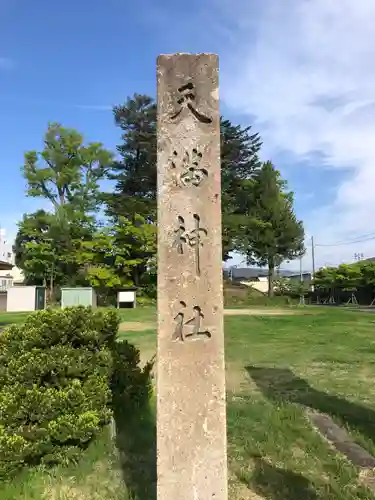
(191, 414)
(341, 440)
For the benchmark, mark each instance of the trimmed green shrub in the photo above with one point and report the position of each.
(55, 373)
(131, 385)
(145, 301)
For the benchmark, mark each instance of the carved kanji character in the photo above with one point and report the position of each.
(186, 101)
(195, 323)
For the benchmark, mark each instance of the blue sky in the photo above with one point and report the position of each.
(300, 73)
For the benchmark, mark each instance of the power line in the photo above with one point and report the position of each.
(359, 239)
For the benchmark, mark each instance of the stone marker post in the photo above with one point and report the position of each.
(191, 412)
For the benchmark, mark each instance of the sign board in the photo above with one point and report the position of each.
(128, 296)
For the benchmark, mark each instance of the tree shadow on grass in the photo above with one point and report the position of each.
(136, 445)
(135, 425)
(275, 483)
(281, 385)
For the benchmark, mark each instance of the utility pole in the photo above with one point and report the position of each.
(302, 296)
(313, 255)
(358, 256)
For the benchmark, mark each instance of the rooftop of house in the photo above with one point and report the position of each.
(298, 275)
(248, 273)
(5, 266)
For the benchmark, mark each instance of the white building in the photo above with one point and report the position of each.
(6, 250)
(9, 275)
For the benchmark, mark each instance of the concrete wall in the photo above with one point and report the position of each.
(261, 285)
(21, 298)
(3, 301)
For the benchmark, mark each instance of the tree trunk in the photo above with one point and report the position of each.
(51, 284)
(136, 276)
(271, 274)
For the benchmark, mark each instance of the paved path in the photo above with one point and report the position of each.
(271, 311)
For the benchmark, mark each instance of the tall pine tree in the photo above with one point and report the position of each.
(239, 163)
(135, 171)
(270, 233)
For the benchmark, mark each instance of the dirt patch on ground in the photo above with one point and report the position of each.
(260, 312)
(136, 326)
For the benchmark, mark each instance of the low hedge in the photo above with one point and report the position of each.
(55, 375)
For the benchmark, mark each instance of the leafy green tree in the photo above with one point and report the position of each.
(40, 249)
(325, 278)
(66, 172)
(33, 249)
(367, 280)
(282, 285)
(348, 276)
(33, 228)
(358, 278)
(270, 232)
(107, 260)
(300, 288)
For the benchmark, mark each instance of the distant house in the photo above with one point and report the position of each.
(9, 275)
(5, 266)
(297, 277)
(255, 273)
(258, 277)
(250, 276)
(247, 273)
(6, 278)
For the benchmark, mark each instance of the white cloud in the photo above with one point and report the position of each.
(309, 78)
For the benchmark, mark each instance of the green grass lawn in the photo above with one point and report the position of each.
(9, 318)
(277, 368)
(138, 314)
